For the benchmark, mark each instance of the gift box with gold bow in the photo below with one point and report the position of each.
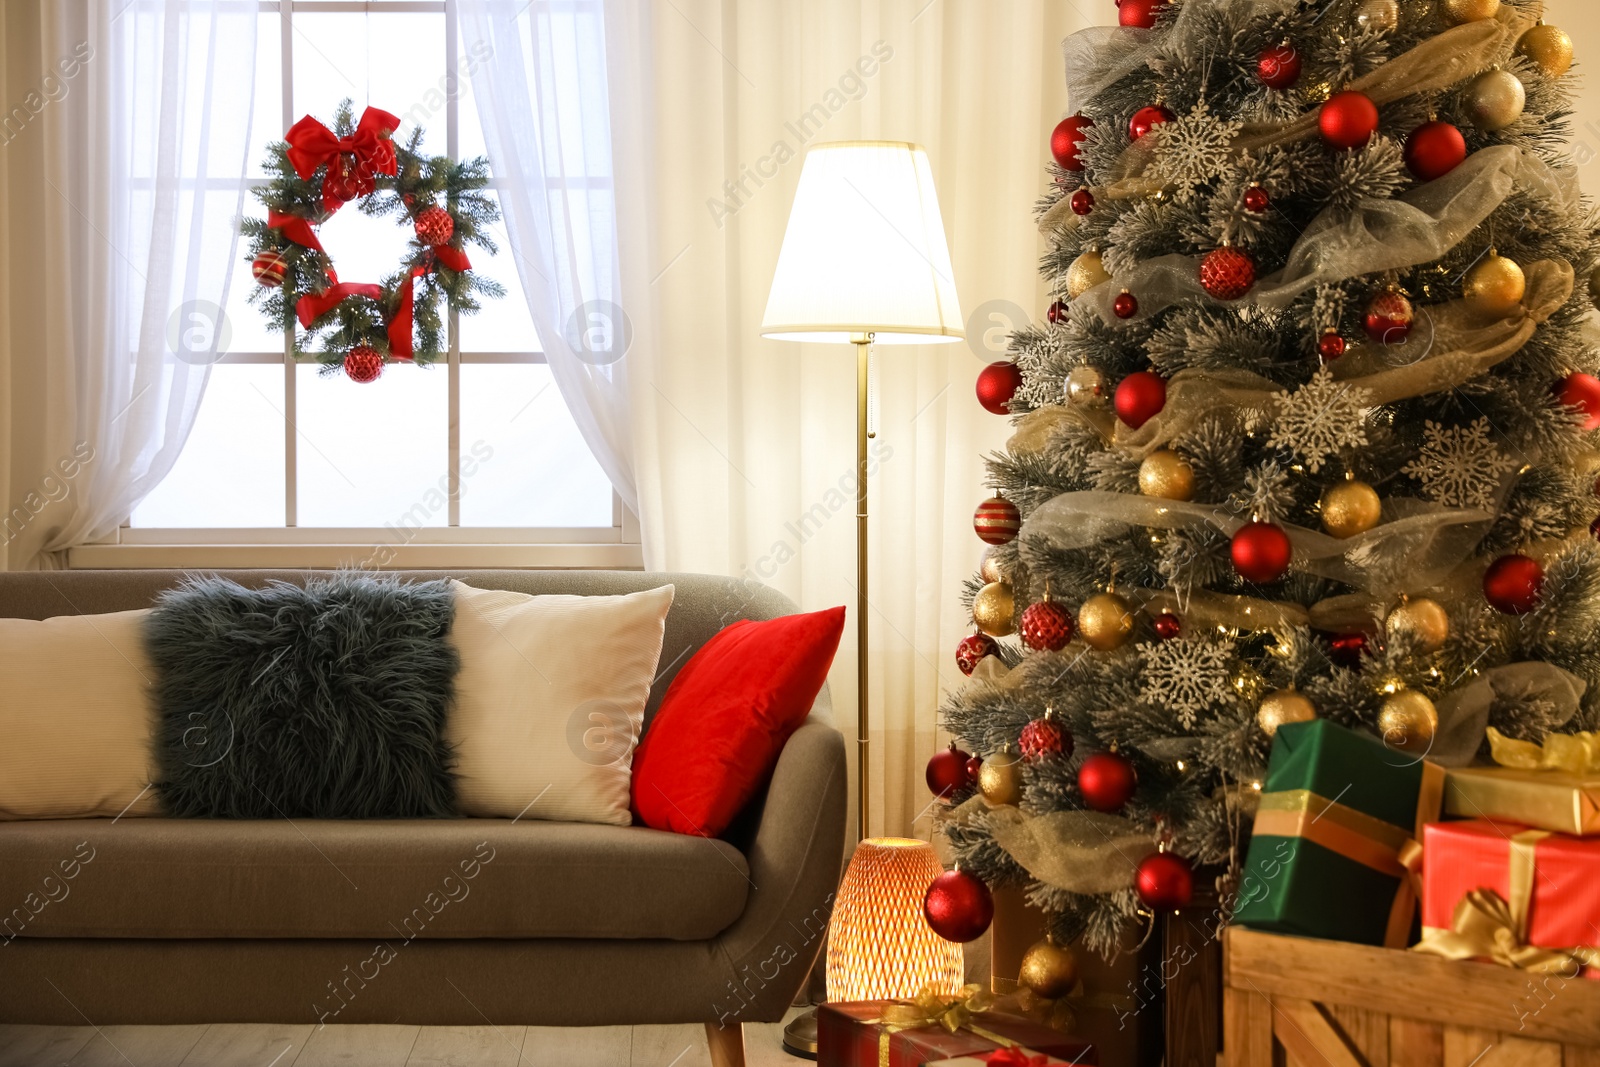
(1554, 786)
(930, 1028)
(1511, 895)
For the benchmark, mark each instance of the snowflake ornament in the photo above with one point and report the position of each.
(1320, 419)
(1187, 675)
(1194, 149)
(1459, 466)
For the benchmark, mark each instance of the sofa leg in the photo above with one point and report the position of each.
(727, 1044)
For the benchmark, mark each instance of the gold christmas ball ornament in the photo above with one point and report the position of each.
(1000, 778)
(1496, 286)
(988, 570)
(1549, 47)
(1350, 508)
(1408, 720)
(1167, 475)
(1105, 622)
(1284, 705)
(1495, 100)
(1455, 12)
(1378, 14)
(1049, 970)
(1421, 619)
(994, 609)
(1086, 272)
(1087, 385)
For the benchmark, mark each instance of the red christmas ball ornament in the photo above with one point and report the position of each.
(1582, 391)
(958, 906)
(972, 650)
(1166, 625)
(1106, 781)
(1165, 881)
(1139, 13)
(1348, 120)
(1257, 199)
(1261, 552)
(1066, 138)
(269, 267)
(1227, 273)
(1279, 66)
(947, 772)
(1140, 397)
(1046, 626)
(1125, 306)
(1512, 584)
(1347, 649)
(974, 765)
(997, 384)
(1434, 149)
(1082, 202)
(1389, 317)
(435, 226)
(1146, 119)
(997, 521)
(363, 364)
(1045, 738)
(1331, 346)
(1057, 312)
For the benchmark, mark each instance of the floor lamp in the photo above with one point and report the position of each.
(864, 261)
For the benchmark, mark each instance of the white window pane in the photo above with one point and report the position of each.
(363, 248)
(231, 470)
(391, 61)
(374, 454)
(267, 125)
(528, 465)
(502, 325)
(469, 137)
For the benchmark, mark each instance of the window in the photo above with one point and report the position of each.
(474, 461)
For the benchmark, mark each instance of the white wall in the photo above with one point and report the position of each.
(1581, 19)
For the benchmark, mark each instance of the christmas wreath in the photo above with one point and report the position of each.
(360, 326)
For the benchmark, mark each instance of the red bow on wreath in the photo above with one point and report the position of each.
(312, 144)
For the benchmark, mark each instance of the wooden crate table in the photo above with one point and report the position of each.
(1298, 1002)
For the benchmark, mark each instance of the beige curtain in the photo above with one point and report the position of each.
(746, 446)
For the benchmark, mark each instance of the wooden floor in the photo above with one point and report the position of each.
(302, 1045)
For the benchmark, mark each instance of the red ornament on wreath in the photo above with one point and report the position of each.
(1139, 13)
(1166, 625)
(997, 521)
(997, 384)
(1045, 739)
(435, 226)
(1261, 552)
(1389, 317)
(1348, 120)
(1227, 273)
(1331, 346)
(1513, 584)
(1140, 397)
(1125, 306)
(957, 906)
(947, 772)
(1165, 881)
(1046, 626)
(1257, 200)
(1107, 781)
(1279, 66)
(1082, 204)
(1434, 149)
(1582, 391)
(1347, 649)
(363, 364)
(269, 267)
(1146, 119)
(1066, 138)
(972, 650)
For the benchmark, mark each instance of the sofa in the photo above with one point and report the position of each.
(432, 922)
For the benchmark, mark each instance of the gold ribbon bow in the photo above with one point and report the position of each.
(929, 1008)
(1486, 925)
(1574, 753)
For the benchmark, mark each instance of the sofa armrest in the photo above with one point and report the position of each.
(795, 858)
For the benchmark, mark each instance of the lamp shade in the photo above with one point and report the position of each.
(879, 945)
(865, 250)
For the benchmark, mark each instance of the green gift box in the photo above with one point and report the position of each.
(1336, 835)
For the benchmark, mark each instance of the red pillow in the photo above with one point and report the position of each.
(716, 737)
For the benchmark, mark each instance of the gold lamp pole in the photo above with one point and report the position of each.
(863, 343)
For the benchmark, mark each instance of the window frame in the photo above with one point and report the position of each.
(293, 545)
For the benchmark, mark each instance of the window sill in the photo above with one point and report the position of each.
(280, 556)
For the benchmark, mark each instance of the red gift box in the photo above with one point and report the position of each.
(855, 1035)
(1563, 909)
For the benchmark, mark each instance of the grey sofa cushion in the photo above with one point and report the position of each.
(395, 880)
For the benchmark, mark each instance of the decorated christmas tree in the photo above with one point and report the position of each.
(1309, 433)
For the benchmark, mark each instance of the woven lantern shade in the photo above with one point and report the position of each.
(879, 945)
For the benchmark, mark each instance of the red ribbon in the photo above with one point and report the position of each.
(399, 328)
(295, 228)
(453, 258)
(311, 144)
(313, 306)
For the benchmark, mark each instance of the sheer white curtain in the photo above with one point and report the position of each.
(745, 447)
(137, 160)
(544, 105)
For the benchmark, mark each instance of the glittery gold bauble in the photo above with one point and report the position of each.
(1167, 475)
(1422, 619)
(1350, 508)
(1496, 286)
(1549, 47)
(1086, 272)
(1378, 14)
(1087, 385)
(988, 570)
(1456, 12)
(1408, 721)
(1000, 778)
(994, 609)
(1284, 705)
(1105, 621)
(1495, 100)
(1049, 970)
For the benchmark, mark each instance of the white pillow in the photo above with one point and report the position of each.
(75, 718)
(550, 700)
